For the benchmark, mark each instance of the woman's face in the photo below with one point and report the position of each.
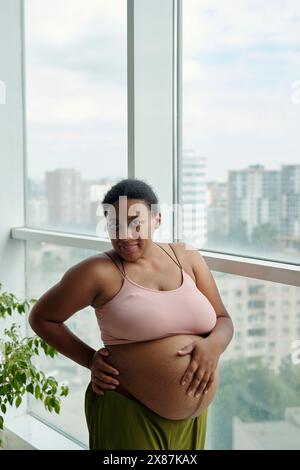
(130, 226)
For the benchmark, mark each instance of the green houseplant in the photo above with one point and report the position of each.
(18, 374)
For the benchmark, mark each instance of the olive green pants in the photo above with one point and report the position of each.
(116, 422)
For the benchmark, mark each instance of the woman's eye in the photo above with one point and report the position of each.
(138, 222)
(116, 226)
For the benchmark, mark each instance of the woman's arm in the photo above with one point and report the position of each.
(205, 352)
(75, 291)
(222, 333)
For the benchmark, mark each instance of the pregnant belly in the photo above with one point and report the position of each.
(151, 371)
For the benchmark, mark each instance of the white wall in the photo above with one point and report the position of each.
(11, 157)
(11, 147)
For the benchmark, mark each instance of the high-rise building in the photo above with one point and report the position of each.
(290, 208)
(253, 199)
(217, 211)
(194, 198)
(67, 197)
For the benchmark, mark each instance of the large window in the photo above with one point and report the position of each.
(76, 105)
(241, 110)
(76, 135)
(239, 175)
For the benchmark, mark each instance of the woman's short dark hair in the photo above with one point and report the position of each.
(133, 188)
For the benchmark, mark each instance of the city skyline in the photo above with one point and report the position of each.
(254, 211)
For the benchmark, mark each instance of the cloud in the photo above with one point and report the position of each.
(59, 22)
(76, 61)
(240, 58)
(76, 96)
(59, 96)
(239, 68)
(239, 23)
(88, 37)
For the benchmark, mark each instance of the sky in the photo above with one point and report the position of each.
(76, 86)
(240, 62)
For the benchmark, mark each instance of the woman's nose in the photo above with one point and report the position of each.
(129, 233)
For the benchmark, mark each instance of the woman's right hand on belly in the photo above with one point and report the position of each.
(103, 376)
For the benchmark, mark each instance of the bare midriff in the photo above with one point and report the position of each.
(150, 373)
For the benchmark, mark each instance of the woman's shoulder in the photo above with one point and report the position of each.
(96, 265)
(184, 249)
(185, 253)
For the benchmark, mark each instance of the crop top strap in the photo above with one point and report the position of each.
(178, 264)
(113, 257)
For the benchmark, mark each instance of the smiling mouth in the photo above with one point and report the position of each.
(129, 248)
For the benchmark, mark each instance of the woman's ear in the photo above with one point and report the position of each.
(157, 220)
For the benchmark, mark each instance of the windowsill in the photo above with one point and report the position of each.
(246, 266)
(28, 433)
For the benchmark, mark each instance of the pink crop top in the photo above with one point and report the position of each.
(138, 313)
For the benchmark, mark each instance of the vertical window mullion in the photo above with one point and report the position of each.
(151, 100)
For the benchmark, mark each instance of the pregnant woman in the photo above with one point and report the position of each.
(162, 322)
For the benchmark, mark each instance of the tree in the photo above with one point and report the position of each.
(253, 392)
